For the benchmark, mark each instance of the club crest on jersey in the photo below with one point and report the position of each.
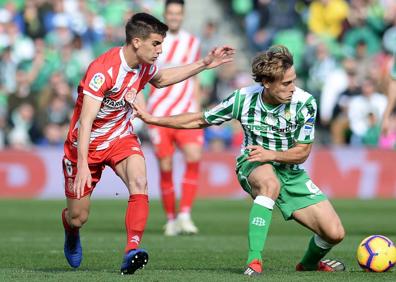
(287, 115)
(130, 96)
(97, 81)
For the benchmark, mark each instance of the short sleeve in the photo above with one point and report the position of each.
(96, 82)
(305, 132)
(222, 112)
(152, 72)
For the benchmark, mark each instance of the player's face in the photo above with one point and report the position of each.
(281, 91)
(149, 49)
(174, 16)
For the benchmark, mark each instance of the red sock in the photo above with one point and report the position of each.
(135, 219)
(168, 194)
(66, 225)
(189, 186)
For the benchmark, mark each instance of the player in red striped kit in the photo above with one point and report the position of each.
(180, 47)
(101, 132)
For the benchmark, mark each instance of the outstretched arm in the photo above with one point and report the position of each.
(182, 121)
(215, 58)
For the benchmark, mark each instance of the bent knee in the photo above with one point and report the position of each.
(138, 185)
(336, 234)
(78, 218)
(269, 187)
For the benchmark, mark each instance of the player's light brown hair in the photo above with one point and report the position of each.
(271, 65)
(141, 25)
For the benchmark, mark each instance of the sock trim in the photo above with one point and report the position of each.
(265, 202)
(322, 243)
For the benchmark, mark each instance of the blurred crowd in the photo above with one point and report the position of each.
(343, 52)
(343, 55)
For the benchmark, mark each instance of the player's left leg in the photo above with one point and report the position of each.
(126, 159)
(323, 220)
(191, 143)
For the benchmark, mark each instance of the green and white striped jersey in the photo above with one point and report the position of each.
(276, 128)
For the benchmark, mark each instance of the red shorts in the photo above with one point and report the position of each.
(97, 160)
(164, 139)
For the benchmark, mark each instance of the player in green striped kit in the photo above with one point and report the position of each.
(278, 121)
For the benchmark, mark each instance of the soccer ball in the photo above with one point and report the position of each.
(376, 253)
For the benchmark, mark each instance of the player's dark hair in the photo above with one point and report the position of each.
(141, 25)
(271, 65)
(180, 2)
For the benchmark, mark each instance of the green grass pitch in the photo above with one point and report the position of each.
(31, 243)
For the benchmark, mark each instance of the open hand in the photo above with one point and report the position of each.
(219, 56)
(83, 177)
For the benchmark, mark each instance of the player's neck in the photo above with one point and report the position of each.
(267, 98)
(130, 57)
(174, 32)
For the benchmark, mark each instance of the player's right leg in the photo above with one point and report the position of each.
(261, 182)
(77, 211)
(73, 218)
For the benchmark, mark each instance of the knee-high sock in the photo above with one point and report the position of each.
(317, 249)
(66, 225)
(168, 194)
(135, 220)
(259, 223)
(189, 187)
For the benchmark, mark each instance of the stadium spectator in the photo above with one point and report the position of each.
(327, 16)
(101, 132)
(339, 124)
(269, 17)
(323, 65)
(278, 119)
(361, 108)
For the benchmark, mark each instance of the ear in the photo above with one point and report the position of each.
(136, 42)
(266, 84)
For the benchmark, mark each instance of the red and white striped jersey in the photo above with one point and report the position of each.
(177, 49)
(108, 79)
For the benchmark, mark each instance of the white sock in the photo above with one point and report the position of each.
(184, 215)
(265, 202)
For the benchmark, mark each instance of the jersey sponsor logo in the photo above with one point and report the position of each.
(267, 128)
(258, 221)
(113, 104)
(97, 81)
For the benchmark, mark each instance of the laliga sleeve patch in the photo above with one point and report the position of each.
(97, 81)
